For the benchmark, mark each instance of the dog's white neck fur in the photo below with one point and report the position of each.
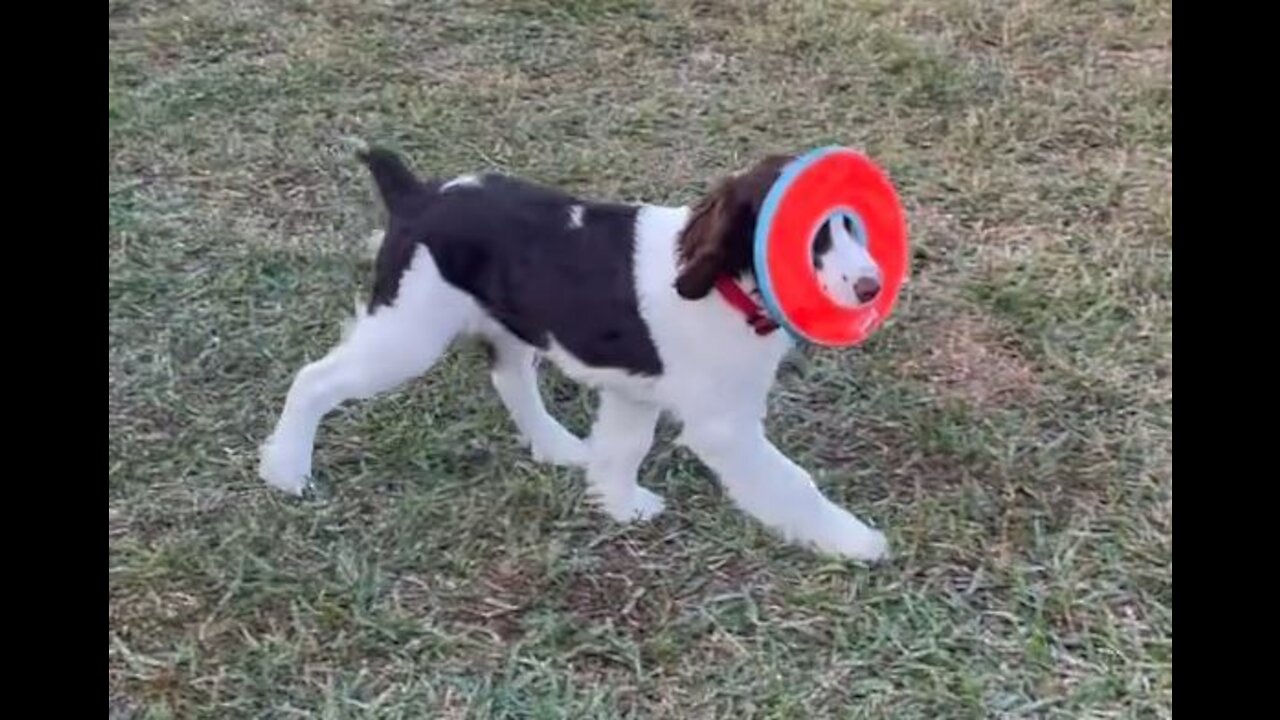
(715, 381)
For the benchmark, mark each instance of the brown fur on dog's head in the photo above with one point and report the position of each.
(718, 238)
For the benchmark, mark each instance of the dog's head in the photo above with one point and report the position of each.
(719, 237)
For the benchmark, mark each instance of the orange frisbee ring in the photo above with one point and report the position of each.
(825, 183)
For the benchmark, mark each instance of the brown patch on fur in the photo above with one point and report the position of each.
(717, 240)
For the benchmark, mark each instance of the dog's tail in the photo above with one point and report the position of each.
(397, 184)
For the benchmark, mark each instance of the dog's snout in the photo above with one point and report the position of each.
(866, 289)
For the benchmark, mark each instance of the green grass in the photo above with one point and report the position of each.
(1012, 428)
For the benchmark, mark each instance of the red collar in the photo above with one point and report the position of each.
(757, 318)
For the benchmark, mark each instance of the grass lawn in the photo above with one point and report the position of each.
(1011, 428)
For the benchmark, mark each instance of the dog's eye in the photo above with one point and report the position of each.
(852, 228)
(821, 244)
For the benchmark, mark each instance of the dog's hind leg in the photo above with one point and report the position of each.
(516, 379)
(384, 348)
(620, 438)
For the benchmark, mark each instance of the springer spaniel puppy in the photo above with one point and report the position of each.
(653, 306)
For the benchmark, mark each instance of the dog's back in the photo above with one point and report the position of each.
(541, 262)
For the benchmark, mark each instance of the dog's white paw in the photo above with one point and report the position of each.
(284, 465)
(868, 546)
(638, 506)
(560, 449)
(839, 533)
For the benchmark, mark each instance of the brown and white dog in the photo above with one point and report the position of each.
(650, 305)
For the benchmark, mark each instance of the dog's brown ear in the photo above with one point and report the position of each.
(717, 240)
(702, 243)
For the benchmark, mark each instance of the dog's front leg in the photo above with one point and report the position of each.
(767, 484)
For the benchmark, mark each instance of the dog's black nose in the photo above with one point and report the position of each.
(866, 289)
